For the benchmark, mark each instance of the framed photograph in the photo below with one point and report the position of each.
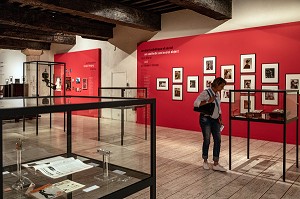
(207, 80)
(270, 98)
(177, 92)
(192, 84)
(247, 81)
(248, 63)
(227, 72)
(68, 83)
(225, 93)
(77, 80)
(17, 81)
(292, 81)
(162, 84)
(245, 104)
(269, 73)
(209, 65)
(10, 79)
(84, 83)
(177, 75)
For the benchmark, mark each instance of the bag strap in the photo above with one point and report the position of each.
(210, 94)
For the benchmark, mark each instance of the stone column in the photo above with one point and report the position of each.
(30, 71)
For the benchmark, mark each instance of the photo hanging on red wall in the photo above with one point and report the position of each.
(68, 83)
(209, 65)
(248, 63)
(177, 75)
(84, 83)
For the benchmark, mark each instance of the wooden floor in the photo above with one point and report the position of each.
(179, 164)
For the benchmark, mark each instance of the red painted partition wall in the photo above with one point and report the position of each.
(271, 44)
(81, 65)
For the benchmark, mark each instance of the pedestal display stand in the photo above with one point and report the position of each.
(105, 175)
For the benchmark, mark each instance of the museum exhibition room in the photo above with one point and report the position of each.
(142, 99)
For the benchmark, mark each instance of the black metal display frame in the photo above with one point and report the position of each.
(283, 122)
(37, 65)
(68, 109)
(122, 94)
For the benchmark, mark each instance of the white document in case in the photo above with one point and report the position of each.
(60, 168)
(68, 185)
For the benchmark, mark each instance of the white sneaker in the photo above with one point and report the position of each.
(219, 168)
(206, 166)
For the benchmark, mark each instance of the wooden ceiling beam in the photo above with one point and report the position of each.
(102, 10)
(16, 44)
(216, 9)
(54, 22)
(13, 32)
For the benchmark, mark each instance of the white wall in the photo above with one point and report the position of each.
(11, 64)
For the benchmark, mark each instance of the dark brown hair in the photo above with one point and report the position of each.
(218, 81)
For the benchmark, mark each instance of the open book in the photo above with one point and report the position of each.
(58, 166)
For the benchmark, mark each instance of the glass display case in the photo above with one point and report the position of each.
(265, 106)
(108, 169)
(133, 113)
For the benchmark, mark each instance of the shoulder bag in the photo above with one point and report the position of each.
(206, 109)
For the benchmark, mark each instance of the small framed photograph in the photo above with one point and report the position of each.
(269, 73)
(77, 80)
(177, 92)
(68, 83)
(177, 75)
(225, 93)
(11, 79)
(209, 65)
(162, 84)
(247, 81)
(207, 80)
(227, 72)
(248, 63)
(84, 83)
(17, 81)
(192, 84)
(269, 98)
(245, 104)
(292, 81)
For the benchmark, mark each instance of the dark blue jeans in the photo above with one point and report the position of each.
(210, 126)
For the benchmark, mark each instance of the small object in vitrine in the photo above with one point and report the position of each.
(46, 191)
(277, 114)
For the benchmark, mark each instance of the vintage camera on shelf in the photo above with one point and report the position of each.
(45, 76)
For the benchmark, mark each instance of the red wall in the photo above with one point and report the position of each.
(82, 64)
(271, 44)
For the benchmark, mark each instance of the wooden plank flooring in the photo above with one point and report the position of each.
(179, 164)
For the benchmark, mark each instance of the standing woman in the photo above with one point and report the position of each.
(211, 124)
